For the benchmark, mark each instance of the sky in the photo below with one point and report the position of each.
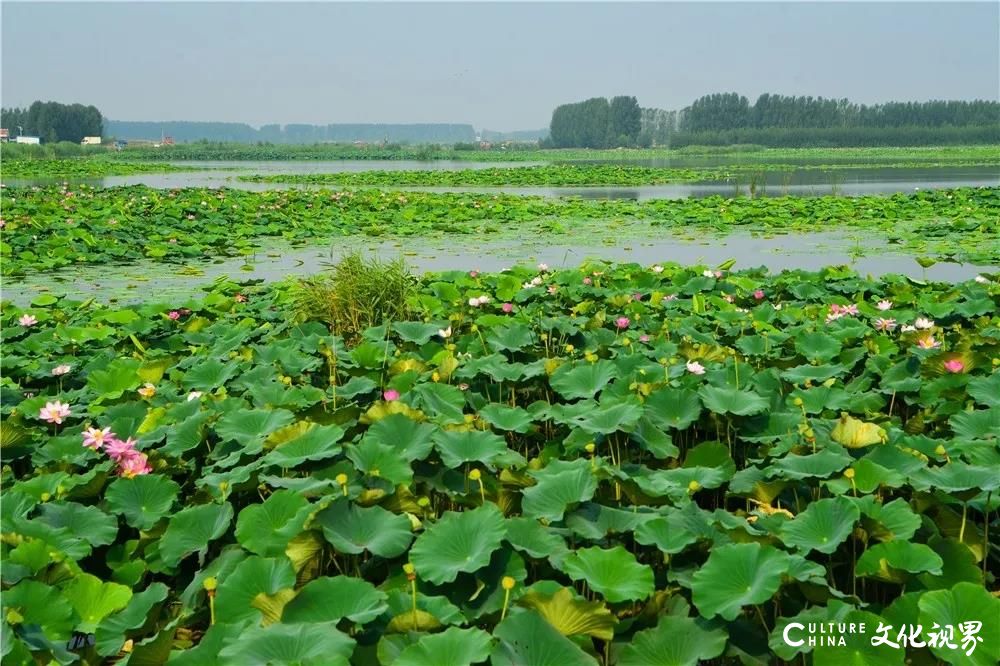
(496, 66)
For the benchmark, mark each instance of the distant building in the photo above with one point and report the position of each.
(120, 144)
(91, 141)
(28, 139)
(168, 141)
(4, 135)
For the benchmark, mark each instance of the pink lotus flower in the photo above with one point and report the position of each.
(543, 267)
(954, 365)
(643, 338)
(669, 297)
(473, 274)
(444, 333)
(636, 296)
(553, 289)
(174, 314)
(728, 298)
(194, 395)
(390, 395)
(885, 324)
(27, 320)
(759, 294)
(54, 412)
(923, 323)
(622, 322)
(695, 368)
(134, 465)
(884, 305)
(95, 438)
(118, 450)
(982, 279)
(240, 298)
(147, 390)
(60, 370)
(657, 268)
(507, 307)
(907, 329)
(588, 281)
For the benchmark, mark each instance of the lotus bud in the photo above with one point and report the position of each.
(590, 447)
(424, 502)
(940, 450)
(797, 402)
(475, 475)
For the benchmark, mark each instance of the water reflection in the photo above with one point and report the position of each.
(277, 261)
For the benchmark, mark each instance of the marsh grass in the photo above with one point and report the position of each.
(356, 293)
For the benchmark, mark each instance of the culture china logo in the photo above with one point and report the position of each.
(963, 636)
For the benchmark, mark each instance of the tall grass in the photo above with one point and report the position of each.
(356, 293)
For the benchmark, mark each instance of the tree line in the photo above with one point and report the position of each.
(53, 121)
(596, 123)
(781, 121)
(187, 131)
(731, 111)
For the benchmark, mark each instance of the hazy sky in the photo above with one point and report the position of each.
(497, 66)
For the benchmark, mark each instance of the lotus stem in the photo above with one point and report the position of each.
(508, 584)
(961, 530)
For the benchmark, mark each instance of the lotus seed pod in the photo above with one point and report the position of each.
(694, 486)
(475, 474)
(341, 479)
(849, 473)
(210, 583)
(508, 583)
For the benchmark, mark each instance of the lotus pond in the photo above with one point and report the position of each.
(55, 227)
(611, 464)
(82, 167)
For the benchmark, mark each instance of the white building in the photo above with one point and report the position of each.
(91, 141)
(28, 139)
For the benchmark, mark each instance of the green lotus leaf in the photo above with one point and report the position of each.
(560, 484)
(613, 573)
(191, 530)
(380, 460)
(823, 526)
(237, 592)
(505, 417)
(821, 464)
(85, 522)
(526, 638)
(673, 408)
(670, 534)
(39, 604)
(440, 609)
(317, 443)
(955, 477)
(112, 631)
(446, 403)
(895, 520)
(581, 379)
(452, 647)
(985, 390)
(461, 446)
(817, 347)
(209, 375)
(93, 600)
(206, 652)
(572, 616)
(608, 418)
(410, 440)
(250, 427)
(737, 575)
(528, 536)
(265, 529)
(979, 424)
(458, 542)
(416, 331)
(880, 560)
(725, 400)
(114, 379)
(513, 337)
(354, 529)
(972, 613)
(959, 565)
(319, 644)
(675, 641)
(332, 599)
(859, 649)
